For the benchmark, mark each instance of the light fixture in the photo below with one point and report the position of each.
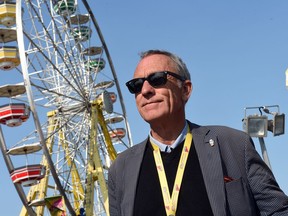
(255, 125)
(258, 125)
(277, 125)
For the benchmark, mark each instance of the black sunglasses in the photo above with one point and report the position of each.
(156, 79)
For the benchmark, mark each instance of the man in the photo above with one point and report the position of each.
(183, 168)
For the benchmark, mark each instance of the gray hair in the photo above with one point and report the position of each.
(180, 65)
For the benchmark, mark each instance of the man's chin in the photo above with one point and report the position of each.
(152, 120)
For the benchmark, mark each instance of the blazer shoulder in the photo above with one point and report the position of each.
(224, 134)
(220, 130)
(135, 149)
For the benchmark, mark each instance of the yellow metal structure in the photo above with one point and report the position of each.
(95, 171)
(83, 192)
(101, 121)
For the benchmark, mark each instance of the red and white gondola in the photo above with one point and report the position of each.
(14, 114)
(117, 134)
(28, 175)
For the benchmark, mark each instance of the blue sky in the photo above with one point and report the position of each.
(236, 53)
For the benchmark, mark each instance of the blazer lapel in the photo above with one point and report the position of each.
(210, 162)
(130, 178)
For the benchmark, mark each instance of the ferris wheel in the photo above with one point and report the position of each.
(69, 107)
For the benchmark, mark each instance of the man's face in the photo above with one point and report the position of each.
(164, 102)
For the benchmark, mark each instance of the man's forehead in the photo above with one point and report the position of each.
(154, 63)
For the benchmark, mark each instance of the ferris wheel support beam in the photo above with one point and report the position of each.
(94, 167)
(24, 66)
(109, 145)
(10, 167)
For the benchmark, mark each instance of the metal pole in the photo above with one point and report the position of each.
(264, 152)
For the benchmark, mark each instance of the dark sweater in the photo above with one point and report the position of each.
(193, 199)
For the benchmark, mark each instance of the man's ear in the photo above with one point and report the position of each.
(186, 90)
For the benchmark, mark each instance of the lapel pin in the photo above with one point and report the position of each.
(211, 142)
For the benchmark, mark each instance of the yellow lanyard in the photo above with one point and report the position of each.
(171, 203)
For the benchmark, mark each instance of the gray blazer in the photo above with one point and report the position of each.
(222, 151)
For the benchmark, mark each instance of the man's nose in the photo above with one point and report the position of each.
(147, 88)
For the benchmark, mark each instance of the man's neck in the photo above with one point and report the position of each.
(167, 133)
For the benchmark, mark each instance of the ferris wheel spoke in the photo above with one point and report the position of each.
(55, 68)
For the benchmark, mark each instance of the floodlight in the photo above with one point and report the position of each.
(256, 126)
(277, 125)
